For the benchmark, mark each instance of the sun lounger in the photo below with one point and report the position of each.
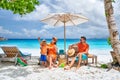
(13, 52)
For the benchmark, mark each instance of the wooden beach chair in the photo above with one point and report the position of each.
(91, 56)
(13, 53)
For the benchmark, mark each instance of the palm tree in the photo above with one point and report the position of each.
(113, 30)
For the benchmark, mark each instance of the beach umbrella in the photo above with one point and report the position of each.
(64, 19)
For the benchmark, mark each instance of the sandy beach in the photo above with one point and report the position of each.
(36, 72)
(51, 27)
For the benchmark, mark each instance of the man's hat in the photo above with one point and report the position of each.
(71, 52)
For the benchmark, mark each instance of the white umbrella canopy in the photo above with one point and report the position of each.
(64, 19)
(58, 19)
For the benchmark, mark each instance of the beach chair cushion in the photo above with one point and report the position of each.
(61, 52)
(84, 57)
(25, 54)
(14, 52)
(11, 51)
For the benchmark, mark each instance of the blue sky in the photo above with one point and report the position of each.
(29, 26)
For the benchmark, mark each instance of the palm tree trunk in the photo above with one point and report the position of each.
(113, 30)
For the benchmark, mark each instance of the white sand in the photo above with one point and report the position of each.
(35, 72)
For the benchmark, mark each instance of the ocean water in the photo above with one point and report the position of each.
(34, 44)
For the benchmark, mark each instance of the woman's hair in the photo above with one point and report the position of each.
(55, 43)
(55, 39)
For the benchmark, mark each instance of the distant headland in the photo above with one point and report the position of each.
(2, 39)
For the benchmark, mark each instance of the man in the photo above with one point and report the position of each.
(83, 48)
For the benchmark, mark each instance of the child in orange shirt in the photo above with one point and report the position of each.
(43, 57)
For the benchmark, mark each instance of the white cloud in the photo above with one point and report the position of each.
(48, 27)
(89, 32)
(4, 31)
(93, 9)
(8, 33)
(86, 7)
(26, 33)
(40, 12)
(35, 33)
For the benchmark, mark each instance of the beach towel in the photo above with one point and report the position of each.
(21, 61)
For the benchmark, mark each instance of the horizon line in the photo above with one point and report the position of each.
(58, 38)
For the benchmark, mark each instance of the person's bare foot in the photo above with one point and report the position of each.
(46, 66)
(39, 63)
(55, 65)
(67, 68)
(86, 64)
(50, 67)
(77, 67)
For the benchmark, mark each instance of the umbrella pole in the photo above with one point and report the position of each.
(64, 38)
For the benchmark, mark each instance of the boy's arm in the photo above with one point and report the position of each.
(39, 39)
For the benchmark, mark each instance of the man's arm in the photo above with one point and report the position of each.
(86, 52)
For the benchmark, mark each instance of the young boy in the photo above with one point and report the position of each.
(43, 48)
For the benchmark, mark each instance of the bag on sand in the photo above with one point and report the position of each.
(21, 61)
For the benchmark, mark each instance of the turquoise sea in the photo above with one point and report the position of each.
(34, 44)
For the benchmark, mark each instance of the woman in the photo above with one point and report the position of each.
(52, 53)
